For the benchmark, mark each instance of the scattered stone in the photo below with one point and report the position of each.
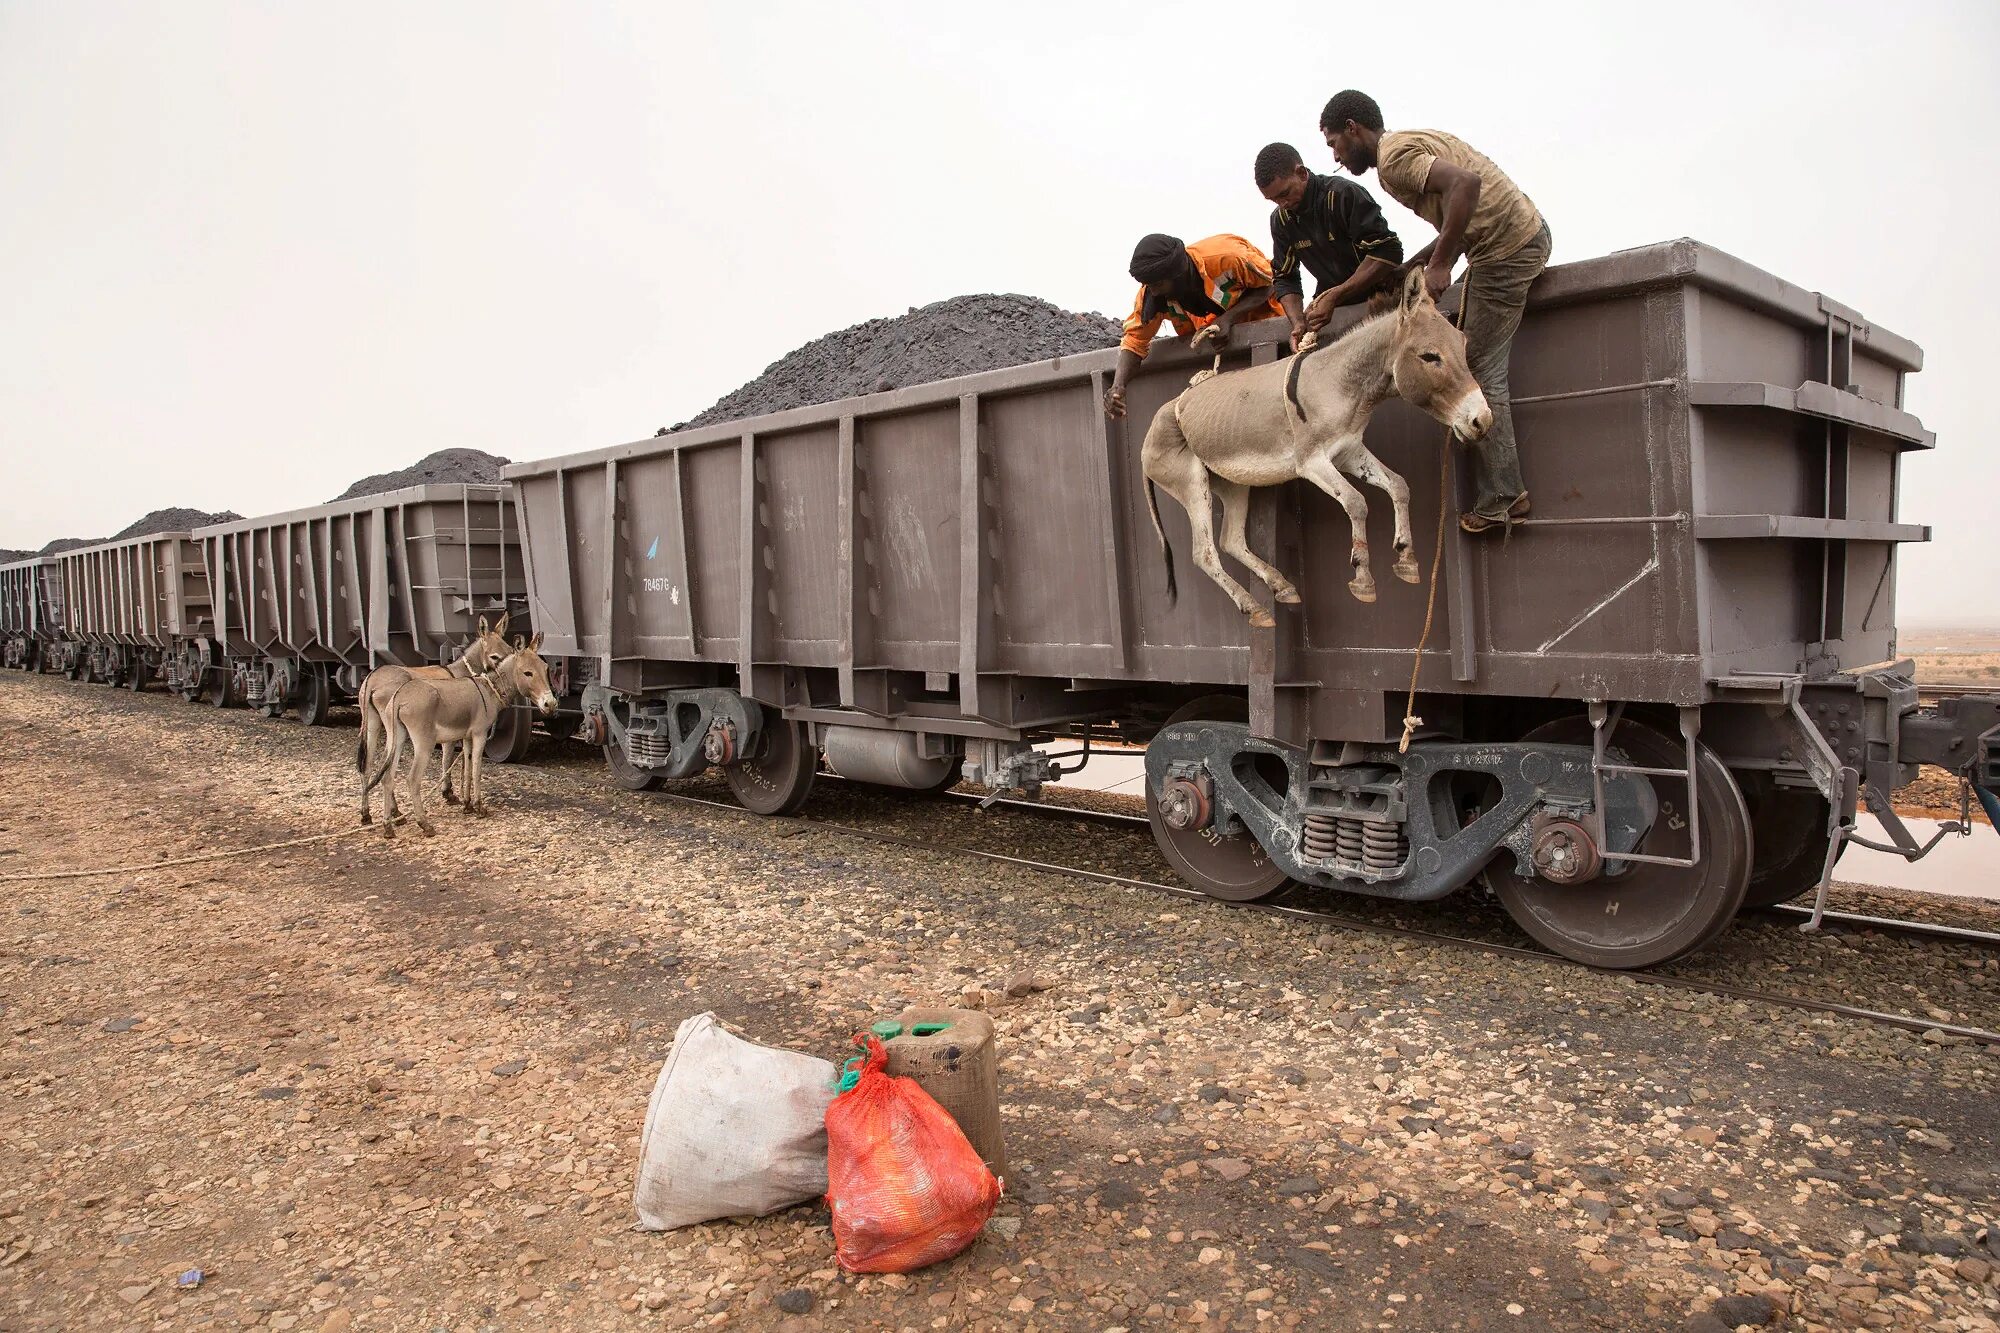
(797, 1300)
(1298, 1185)
(1166, 1114)
(1229, 1168)
(509, 1068)
(121, 1024)
(277, 1094)
(1737, 1310)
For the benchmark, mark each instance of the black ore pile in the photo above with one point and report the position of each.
(10, 556)
(61, 544)
(960, 336)
(471, 467)
(174, 520)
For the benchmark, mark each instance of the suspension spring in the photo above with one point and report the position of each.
(648, 749)
(1319, 837)
(1384, 846)
(1347, 841)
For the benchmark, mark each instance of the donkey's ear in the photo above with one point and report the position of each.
(482, 627)
(535, 644)
(1415, 294)
(500, 627)
(519, 643)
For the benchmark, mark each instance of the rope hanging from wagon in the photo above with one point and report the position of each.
(1445, 500)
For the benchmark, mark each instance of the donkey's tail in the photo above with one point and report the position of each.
(361, 752)
(1166, 547)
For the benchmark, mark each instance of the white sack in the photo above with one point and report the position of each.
(733, 1129)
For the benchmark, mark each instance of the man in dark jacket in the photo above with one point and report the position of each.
(1327, 226)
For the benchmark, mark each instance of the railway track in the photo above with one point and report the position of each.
(1925, 930)
(1915, 929)
(1929, 693)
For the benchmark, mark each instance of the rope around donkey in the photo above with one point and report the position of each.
(1446, 501)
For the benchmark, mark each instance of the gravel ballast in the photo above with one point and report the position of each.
(1217, 1118)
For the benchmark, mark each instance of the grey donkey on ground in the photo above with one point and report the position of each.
(451, 713)
(1304, 417)
(480, 656)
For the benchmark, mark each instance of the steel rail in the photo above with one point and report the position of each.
(1931, 930)
(1807, 1003)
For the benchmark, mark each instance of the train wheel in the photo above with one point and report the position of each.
(624, 773)
(276, 692)
(221, 686)
(1649, 913)
(136, 675)
(1791, 841)
(315, 696)
(1233, 868)
(778, 778)
(513, 735)
(194, 668)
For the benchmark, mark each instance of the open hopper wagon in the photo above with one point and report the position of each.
(308, 602)
(31, 613)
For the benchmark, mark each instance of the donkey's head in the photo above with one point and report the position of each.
(487, 650)
(526, 676)
(1429, 364)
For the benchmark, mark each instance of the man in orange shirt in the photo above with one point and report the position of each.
(1208, 287)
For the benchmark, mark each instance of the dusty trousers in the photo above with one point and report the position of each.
(1496, 294)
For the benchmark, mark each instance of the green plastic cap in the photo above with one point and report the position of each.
(887, 1028)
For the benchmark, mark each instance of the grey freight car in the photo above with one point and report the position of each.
(31, 612)
(308, 602)
(130, 605)
(1664, 695)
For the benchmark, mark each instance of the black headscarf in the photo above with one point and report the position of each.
(1168, 272)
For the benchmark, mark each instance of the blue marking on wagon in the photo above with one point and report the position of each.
(654, 549)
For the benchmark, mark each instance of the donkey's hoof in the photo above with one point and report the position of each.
(1262, 619)
(450, 799)
(366, 819)
(1363, 589)
(1406, 569)
(428, 831)
(1288, 595)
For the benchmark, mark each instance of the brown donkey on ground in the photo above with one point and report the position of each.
(430, 713)
(484, 653)
(1304, 417)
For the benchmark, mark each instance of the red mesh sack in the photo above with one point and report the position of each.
(905, 1186)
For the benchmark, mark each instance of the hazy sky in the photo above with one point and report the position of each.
(250, 252)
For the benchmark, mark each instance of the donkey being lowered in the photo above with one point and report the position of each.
(430, 713)
(1304, 418)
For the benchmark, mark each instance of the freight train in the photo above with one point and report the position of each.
(1664, 697)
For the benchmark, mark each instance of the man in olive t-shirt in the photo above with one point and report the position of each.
(1481, 214)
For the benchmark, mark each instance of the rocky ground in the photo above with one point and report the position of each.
(400, 1085)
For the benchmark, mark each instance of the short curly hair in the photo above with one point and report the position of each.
(1275, 160)
(1350, 104)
